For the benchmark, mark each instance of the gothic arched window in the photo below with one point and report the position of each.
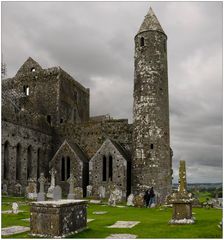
(104, 168)
(68, 167)
(38, 162)
(110, 168)
(29, 163)
(62, 169)
(18, 161)
(6, 160)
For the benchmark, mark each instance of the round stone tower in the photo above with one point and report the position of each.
(152, 160)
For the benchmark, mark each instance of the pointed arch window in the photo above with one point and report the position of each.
(110, 168)
(6, 160)
(68, 167)
(18, 161)
(62, 169)
(29, 163)
(104, 168)
(38, 162)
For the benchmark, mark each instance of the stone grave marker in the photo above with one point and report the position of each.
(71, 182)
(14, 230)
(41, 194)
(18, 189)
(31, 189)
(78, 191)
(52, 186)
(115, 197)
(124, 224)
(89, 191)
(102, 192)
(57, 193)
(181, 200)
(130, 200)
(4, 189)
(139, 200)
(15, 208)
(122, 236)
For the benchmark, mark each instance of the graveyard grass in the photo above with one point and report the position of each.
(153, 222)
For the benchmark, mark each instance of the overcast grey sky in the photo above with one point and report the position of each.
(94, 42)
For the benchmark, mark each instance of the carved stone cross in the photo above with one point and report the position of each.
(53, 173)
(182, 177)
(42, 181)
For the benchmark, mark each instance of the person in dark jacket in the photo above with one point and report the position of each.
(151, 196)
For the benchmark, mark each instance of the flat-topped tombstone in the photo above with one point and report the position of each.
(57, 193)
(58, 218)
(122, 236)
(124, 224)
(115, 197)
(14, 230)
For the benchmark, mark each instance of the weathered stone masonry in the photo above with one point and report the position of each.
(151, 164)
(46, 124)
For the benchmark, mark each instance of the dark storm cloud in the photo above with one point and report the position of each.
(94, 42)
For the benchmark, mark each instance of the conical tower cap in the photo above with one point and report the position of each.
(150, 23)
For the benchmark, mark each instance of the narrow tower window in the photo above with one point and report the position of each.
(151, 146)
(6, 160)
(29, 159)
(110, 168)
(26, 90)
(18, 161)
(38, 163)
(63, 169)
(68, 167)
(142, 41)
(165, 46)
(104, 168)
(49, 119)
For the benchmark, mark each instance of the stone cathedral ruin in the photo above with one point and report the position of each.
(46, 125)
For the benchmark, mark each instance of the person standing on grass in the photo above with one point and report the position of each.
(146, 198)
(151, 195)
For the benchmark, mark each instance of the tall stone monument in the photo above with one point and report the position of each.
(71, 182)
(181, 200)
(52, 186)
(41, 194)
(152, 161)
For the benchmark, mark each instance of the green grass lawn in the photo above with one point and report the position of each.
(153, 222)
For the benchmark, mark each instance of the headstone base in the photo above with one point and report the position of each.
(57, 218)
(40, 197)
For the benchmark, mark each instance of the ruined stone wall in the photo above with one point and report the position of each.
(16, 140)
(119, 175)
(151, 146)
(76, 167)
(91, 135)
(42, 95)
(73, 100)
